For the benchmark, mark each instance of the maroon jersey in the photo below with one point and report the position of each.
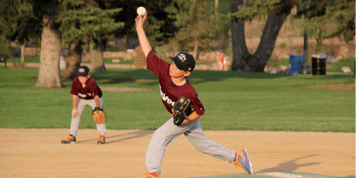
(90, 90)
(170, 93)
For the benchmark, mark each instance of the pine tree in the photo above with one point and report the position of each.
(4, 46)
(17, 24)
(86, 22)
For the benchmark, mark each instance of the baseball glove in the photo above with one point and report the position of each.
(181, 110)
(99, 115)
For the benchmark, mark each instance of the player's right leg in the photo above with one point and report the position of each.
(159, 142)
(74, 125)
(69, 139)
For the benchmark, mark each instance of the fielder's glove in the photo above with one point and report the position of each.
(99, 115)
(181, 110)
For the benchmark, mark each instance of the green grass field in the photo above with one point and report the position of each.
(233, 101)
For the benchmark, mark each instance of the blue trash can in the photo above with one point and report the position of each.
(295, 62)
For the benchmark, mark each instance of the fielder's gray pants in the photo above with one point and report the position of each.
(193, 131)
(82, 103)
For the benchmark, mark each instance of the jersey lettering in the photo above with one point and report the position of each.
(82, 95)
(165, 98)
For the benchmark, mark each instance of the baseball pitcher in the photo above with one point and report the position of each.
(181, 100)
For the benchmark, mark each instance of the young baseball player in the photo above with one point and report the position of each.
(173, 85)
(85, 92)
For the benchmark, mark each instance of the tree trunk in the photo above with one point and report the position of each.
(242, 59)
(73, 61)
(196, 49)
(132, 41)
(96, 58)
(23, 52)
(239, 49)
(49, 73)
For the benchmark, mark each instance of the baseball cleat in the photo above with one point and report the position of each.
(101, 139)
(69, 139)
(151, 175)
(242, 161)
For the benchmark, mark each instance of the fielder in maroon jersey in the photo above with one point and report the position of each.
(85, 92)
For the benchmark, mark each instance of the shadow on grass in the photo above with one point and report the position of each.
(28, 77)
(127, 136)
(289, 166)
(131, 75)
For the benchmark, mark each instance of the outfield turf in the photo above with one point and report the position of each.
(232, 100)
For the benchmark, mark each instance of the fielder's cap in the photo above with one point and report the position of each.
(83, 71)
(184, 61)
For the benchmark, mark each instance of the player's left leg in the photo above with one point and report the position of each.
(200, 142)
(100, 127)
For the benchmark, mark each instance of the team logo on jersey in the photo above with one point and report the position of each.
(82, 95)
(182, 57)
(165, 98)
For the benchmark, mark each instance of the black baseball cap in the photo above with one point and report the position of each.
(83, 71)
(184, 61)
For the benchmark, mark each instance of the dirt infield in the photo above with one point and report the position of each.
(38, 153)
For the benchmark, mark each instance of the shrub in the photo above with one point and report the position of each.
(18, 65)
(273, 61)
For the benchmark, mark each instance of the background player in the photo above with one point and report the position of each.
(85, 92)
(222, 61)
(173, 85)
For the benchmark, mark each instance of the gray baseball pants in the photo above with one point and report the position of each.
(82, 103)
(193, 131)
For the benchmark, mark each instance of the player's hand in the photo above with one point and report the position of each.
(74, 113)
(140, 21)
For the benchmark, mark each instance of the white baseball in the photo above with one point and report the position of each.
(141, 11)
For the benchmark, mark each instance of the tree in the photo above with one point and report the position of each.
(86, 22)
(200, 25)
(328, 19)
(17, 24)
(277, 12)
(160, 19)
(324, 12)
(49, 74)
(4, 46)
(28, 18)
